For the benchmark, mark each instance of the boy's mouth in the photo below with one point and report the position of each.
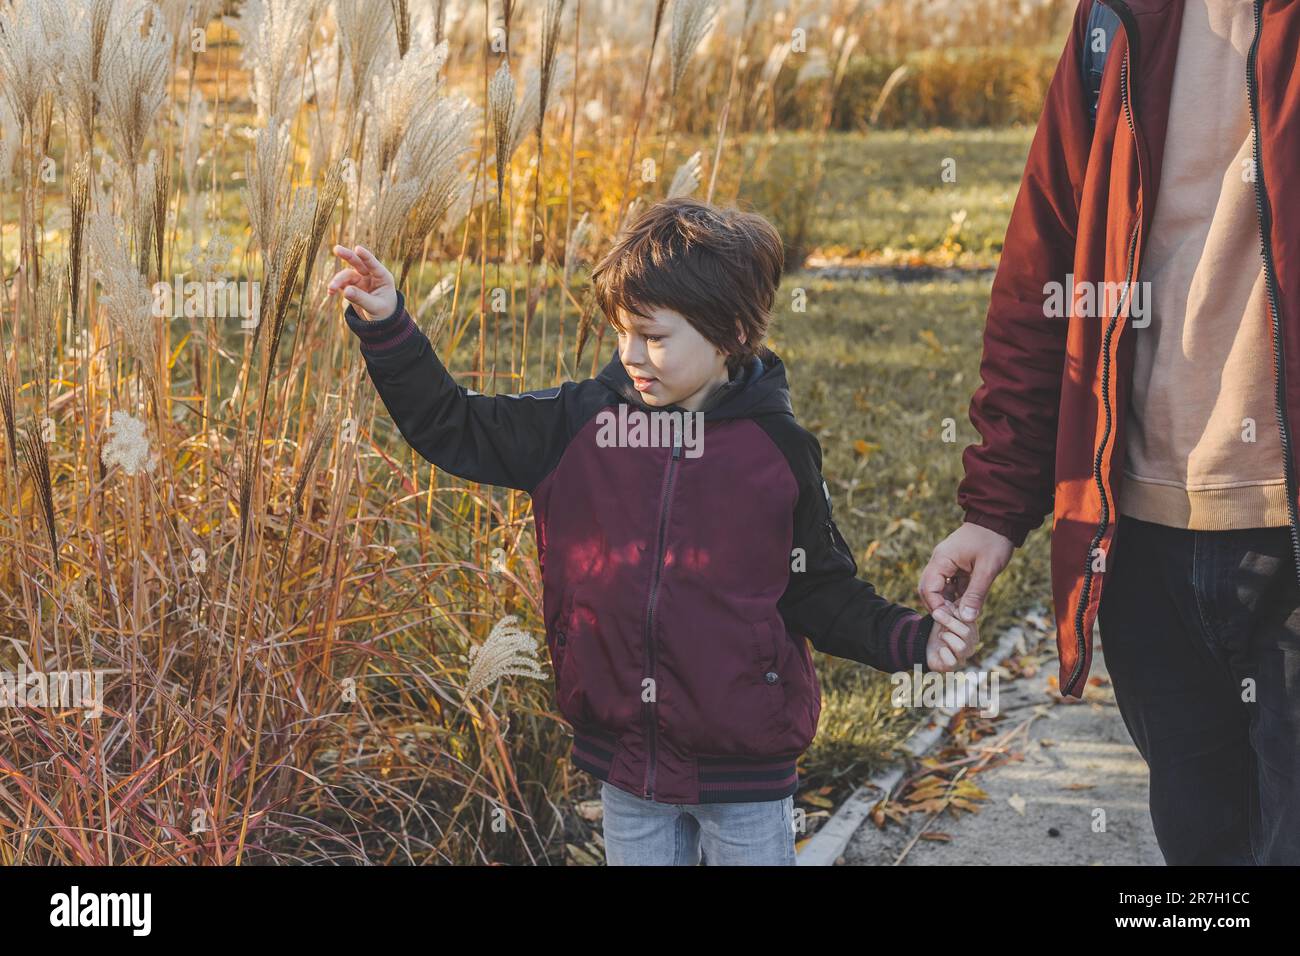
(641, 383)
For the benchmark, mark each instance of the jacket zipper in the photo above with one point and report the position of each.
(1131, 32)
(1265, 212)
(651, 720)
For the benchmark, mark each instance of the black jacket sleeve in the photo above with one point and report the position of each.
(825, 600)
(507, 440)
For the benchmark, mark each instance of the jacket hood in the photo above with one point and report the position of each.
(759, 388)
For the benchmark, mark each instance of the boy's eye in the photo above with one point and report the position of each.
(653, 338)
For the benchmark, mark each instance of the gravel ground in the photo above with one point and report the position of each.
(1078, 759)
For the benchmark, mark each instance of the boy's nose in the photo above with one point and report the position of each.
(632, 355)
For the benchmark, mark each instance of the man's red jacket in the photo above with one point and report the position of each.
(1051, 405)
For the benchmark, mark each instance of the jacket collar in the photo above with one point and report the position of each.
(757, 389)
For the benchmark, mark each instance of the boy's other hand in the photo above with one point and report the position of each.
(365, 283)
(951, 639)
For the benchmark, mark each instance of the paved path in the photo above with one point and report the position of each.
(1078, 758)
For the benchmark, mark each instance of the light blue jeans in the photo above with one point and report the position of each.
(640, 832)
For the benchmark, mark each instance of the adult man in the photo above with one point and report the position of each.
(1161, 440)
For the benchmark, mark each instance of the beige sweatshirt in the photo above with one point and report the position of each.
(1202, 447)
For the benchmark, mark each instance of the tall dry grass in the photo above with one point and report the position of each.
(307, 636)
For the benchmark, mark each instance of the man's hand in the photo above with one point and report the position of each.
(963, 565)
(366, 284)
(950, 641)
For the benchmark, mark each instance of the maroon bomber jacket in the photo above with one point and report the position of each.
(680, 586)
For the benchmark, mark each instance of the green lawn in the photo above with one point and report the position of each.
(884, 195)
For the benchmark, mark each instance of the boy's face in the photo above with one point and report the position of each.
(669, 361)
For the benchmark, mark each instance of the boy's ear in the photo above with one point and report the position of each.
(740, 331)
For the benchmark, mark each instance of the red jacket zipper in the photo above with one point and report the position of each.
(1126, 96)
(1265, 212)
(651, 715)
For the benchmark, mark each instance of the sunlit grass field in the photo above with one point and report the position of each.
(287, 601)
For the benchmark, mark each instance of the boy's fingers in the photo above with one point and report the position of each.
(367, 301)
(343, 252)
(958, 645)
(950, 621)
(341, 278)
(373, 266)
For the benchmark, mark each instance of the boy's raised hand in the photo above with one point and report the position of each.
(365, 283)
(951, 639)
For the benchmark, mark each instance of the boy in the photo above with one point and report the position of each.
(680, 577)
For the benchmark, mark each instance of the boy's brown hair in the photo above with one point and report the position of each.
(715, 266)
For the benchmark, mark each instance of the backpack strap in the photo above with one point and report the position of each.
(1097, 40)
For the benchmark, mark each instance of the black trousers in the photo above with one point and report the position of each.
(1201, 632)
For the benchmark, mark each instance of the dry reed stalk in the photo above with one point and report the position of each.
(78, 203)
(402, 24)
(162, 186)
(37, 458)
(626, 189)
(49, 302)
(7, 395)
(327, 198)
(142, 213)
(742, 39)
(291, 245)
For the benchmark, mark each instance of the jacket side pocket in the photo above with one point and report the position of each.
(768, 665)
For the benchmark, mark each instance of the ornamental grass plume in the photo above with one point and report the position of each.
(266, 169)
(551, 23)
(687, 178)
(507, 650)
(364, 29)
(128, 446)
(422, 138)
(407, 91)
(135, 81)
(327, 198)
(125, 296)
(83, 62)
(501, 107)
(29, 55)
(273, 34)
(692, 19)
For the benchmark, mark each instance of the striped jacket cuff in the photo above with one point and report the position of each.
(906, 641)
(382, 336)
